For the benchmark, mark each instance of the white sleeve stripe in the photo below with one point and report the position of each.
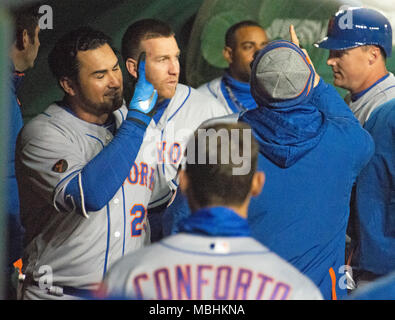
(82, 197)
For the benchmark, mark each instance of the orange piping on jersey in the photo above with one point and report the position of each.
(18, 265)
(333, 279)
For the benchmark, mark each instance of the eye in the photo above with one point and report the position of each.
(99, 75)
(248, 47)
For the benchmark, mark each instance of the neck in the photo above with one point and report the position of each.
(18, 60)
(238, 77)
(371, 79)
(82, 114)
(241, 210)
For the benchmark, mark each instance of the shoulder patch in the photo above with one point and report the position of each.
(60, 166)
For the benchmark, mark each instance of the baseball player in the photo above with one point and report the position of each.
(299, 123)
(358, 61)
(180, 108)
(214, 257)
(242, 40)
(83, 183)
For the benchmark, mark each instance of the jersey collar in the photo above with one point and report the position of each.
(216, 221)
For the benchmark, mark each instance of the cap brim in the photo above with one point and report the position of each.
(336, 44)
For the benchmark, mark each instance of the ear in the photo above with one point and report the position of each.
(131, 66)
(68, 86)
(227, 53)
(25, 39)
(184, 182)
(258, 180)
(374, 54)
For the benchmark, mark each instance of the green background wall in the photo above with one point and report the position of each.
(200, 26)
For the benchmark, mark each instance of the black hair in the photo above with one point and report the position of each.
(230, 33)
(215, 183)
(63, 60)
(25, 18)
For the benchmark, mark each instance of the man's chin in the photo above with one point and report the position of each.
(167, 94)
(115, 103)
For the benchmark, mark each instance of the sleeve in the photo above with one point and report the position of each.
(63, 173)
(102, 176)
(177, 211)
(328, 101)
(46, 159)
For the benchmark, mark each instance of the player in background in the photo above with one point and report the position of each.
(214, 257)
(311, 149)
(78, 170)
(242, 40)
(23, 53)
(360, 40)
(180, 109)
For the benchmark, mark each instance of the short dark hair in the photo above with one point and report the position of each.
(25, 18)
(230, 33)
(216, 183)
(142, 30)
(63, 60)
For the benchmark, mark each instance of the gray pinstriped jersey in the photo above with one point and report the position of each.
(62, 245)
(184, 114)
(373, 98)
(186, 266)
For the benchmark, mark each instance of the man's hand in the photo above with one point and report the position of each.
(295, 40)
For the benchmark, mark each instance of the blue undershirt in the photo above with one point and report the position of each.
(237, 94)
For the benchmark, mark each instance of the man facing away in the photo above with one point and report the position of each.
(360, 40)
(242, 40)
(214, 257)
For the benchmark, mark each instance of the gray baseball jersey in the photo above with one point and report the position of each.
(63, 247)
(184, 114)
(213, 88)
(373, 98)
(186, 266)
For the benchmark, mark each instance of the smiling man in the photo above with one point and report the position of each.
(180, 109)
(242, 40)
(360, 40)
(80, 206)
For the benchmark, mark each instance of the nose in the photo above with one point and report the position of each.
(331, 61)
(115, 79)
(174, 67)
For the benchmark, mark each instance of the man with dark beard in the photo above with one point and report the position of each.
(77, 167)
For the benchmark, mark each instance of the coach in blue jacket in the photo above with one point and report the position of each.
(311, 150)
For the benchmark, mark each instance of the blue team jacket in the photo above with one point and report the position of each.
(374, 201)
(311, 155)
(14, 228)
